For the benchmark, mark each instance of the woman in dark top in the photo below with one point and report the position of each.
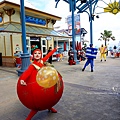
(50, 58)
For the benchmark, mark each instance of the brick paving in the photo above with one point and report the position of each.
(86, 96)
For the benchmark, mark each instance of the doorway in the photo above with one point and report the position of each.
(35, 41)
(43, 46)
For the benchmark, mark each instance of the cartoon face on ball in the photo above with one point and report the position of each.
(47, 77)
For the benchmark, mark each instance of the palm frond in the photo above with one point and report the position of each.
(106, 36)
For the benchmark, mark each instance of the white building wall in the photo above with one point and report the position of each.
(8, 46)
(6, 18)
(50, 25)
(2, 46)
(16, 40)
(16, 17)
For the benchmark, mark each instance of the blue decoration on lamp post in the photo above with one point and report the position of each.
(25, 57)
(83, 8)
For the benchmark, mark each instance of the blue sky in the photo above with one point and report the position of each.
(40, 4)
(107, 21)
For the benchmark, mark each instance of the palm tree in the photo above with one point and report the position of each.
(106, 36)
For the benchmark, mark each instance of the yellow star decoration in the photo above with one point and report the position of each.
(47, 77)
(113, 8)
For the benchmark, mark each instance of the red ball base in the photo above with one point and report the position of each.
(37, 98)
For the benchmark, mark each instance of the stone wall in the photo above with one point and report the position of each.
(8, 62)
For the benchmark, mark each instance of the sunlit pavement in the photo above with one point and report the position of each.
(87, 95)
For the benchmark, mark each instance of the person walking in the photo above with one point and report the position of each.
(106, 50)
(103, 52)
(50, 58)
(91, 55)
(61, 56)
(71, 59)
(115, 51)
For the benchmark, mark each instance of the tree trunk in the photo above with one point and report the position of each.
(105, 42)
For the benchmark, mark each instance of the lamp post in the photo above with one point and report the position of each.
(72, 6)
(25, 57)
(91, 28)
(82, 7)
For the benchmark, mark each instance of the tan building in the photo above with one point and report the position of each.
(39, 31)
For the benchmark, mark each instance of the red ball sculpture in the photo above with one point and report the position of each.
(43, 89)
(36, 97)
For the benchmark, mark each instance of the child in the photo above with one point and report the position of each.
(71, 60)
(61, 57)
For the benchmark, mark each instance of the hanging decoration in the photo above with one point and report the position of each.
(113, 8)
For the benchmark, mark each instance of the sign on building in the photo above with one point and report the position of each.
(34, 20)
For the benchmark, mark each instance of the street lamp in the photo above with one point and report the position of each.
(81, 7)
(72, 6)
(88, 5)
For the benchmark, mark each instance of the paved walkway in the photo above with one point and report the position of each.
(87, 95)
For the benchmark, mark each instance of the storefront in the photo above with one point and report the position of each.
(39, 31)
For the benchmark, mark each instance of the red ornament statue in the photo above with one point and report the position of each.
(64, 46)
(40, 87)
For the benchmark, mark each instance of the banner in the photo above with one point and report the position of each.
(76, 24)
